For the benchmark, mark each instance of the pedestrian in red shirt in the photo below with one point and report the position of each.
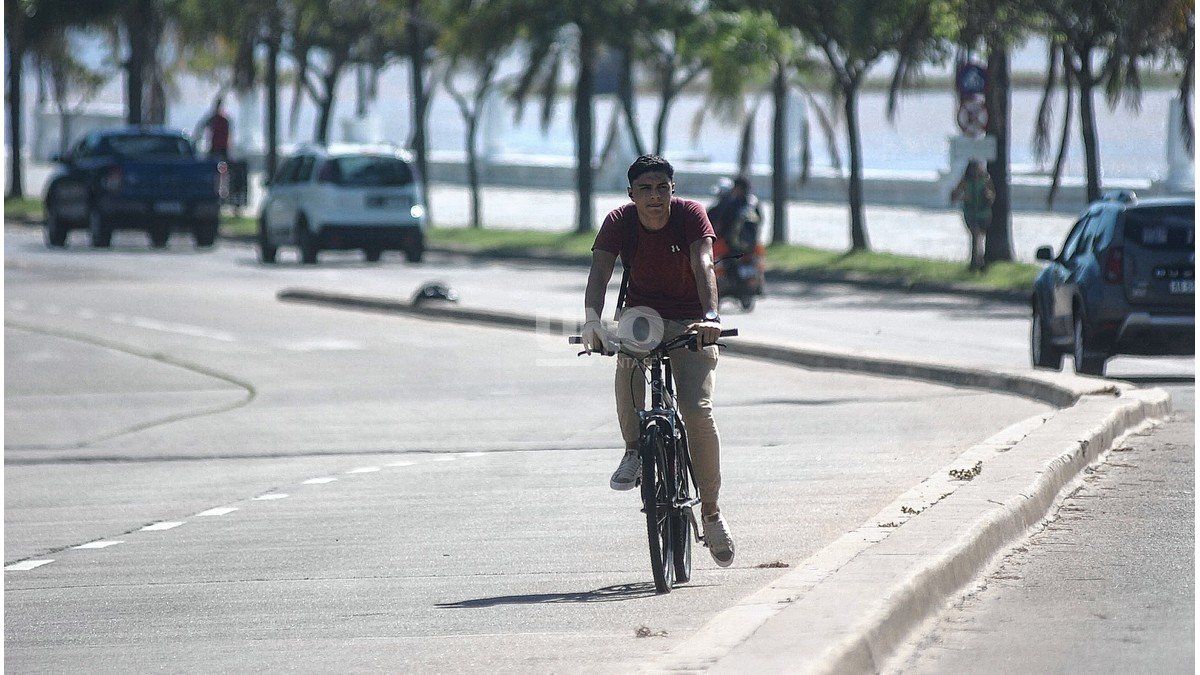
(666, 244)
(217, 125)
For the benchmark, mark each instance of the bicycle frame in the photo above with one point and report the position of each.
(662, 389)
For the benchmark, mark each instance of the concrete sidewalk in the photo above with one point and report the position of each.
(931, 233)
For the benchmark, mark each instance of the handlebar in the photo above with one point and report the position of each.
(687, 339)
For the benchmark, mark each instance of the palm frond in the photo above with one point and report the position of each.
(550, 89)
(828, 128)
(1064, 140)
(1041, 129)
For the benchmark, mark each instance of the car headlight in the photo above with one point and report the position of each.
(417, 211)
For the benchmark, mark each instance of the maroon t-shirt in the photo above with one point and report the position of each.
(218, 126)
(661, 277)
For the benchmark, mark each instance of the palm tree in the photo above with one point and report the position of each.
(554, 31)
(854, 35)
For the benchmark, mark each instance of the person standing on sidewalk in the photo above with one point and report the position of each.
(976, 193)
(217, 125)
(665, 244)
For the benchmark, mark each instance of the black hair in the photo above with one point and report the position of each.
(648, 163)
(742, 181)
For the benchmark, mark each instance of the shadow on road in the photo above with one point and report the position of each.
(606, 594)
(1156, 379)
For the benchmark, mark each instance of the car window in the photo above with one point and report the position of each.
(286, 171)
(1072, 243)
(304, 171)
(1162, 227)
(146, 145)
(1102, 229)
(371, 171)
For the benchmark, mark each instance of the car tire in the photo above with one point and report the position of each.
(372, 253)
(204, 232)
(100, 229)
(1042, 350)
(266, 250)
(306, 242)
(160, 234)
(1087, 361)
(55, 230)
(416, 251)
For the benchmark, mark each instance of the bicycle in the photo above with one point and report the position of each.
(667, 481)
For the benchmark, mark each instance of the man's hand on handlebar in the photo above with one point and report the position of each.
(596, 338)
(709, 332)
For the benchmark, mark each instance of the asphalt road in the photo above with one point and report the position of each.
(1106, 586)
(468, 523)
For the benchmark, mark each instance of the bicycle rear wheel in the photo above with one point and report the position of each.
(659, 510)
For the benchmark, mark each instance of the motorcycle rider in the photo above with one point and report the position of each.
(736, 216)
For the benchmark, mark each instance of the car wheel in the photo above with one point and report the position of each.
(307, 242)
(160, 234)
(1043, 352)
(415, 251)
(266, 250)
(100, 229)
(56, 232)
(1087, 362)
(204, 232)
(373, 253)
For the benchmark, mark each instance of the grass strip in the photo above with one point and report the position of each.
(22, 208)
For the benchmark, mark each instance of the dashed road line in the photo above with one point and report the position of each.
(318, 481)
(365, 469)
(27, 565)
(449, 458)
(217, 511)
(158, 527)
(402, 463)
(100, 544)
(269, 496)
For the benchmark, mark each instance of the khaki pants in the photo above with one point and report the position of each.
(694, 374)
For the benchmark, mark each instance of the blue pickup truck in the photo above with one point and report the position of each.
(146, 178)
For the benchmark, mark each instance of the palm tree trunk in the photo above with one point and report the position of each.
(627, 95)
(858, 225)
(779, 183)
(16, 61)
(746, 150)
(272, 86)
(321, 135)
(137, 25)
(473, 167)
(1087, 122)
(417, 60)
(584, 132)
(667, 94)
(998, 243)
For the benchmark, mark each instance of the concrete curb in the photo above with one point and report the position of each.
(851, 606)
(1057, 389)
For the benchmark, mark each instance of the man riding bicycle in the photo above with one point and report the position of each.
(665, 244)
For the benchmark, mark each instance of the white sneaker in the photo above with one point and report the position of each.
(717, 539)
(627, 473)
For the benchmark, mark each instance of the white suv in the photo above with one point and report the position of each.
(343, 197)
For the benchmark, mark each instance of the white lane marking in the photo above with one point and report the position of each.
(449, 458)
(318, 481)
(473, 454)
(85, 313)
(365, 469)
(100, 544)
(157, 527)
(182, 329)
(270, 496)
(217, 511)
(27, 565)
(324, 345)
(405, 463)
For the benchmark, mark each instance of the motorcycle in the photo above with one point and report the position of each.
(740, 258)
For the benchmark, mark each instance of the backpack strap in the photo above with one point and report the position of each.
(626, 265)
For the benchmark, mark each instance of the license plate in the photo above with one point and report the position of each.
(382, 202)
(173, 208)
(1182, 287)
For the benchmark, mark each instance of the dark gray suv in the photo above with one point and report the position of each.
(1124, 283)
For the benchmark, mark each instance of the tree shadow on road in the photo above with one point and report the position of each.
(606, 594)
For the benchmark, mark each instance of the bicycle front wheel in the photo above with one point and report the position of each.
(660, 512)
